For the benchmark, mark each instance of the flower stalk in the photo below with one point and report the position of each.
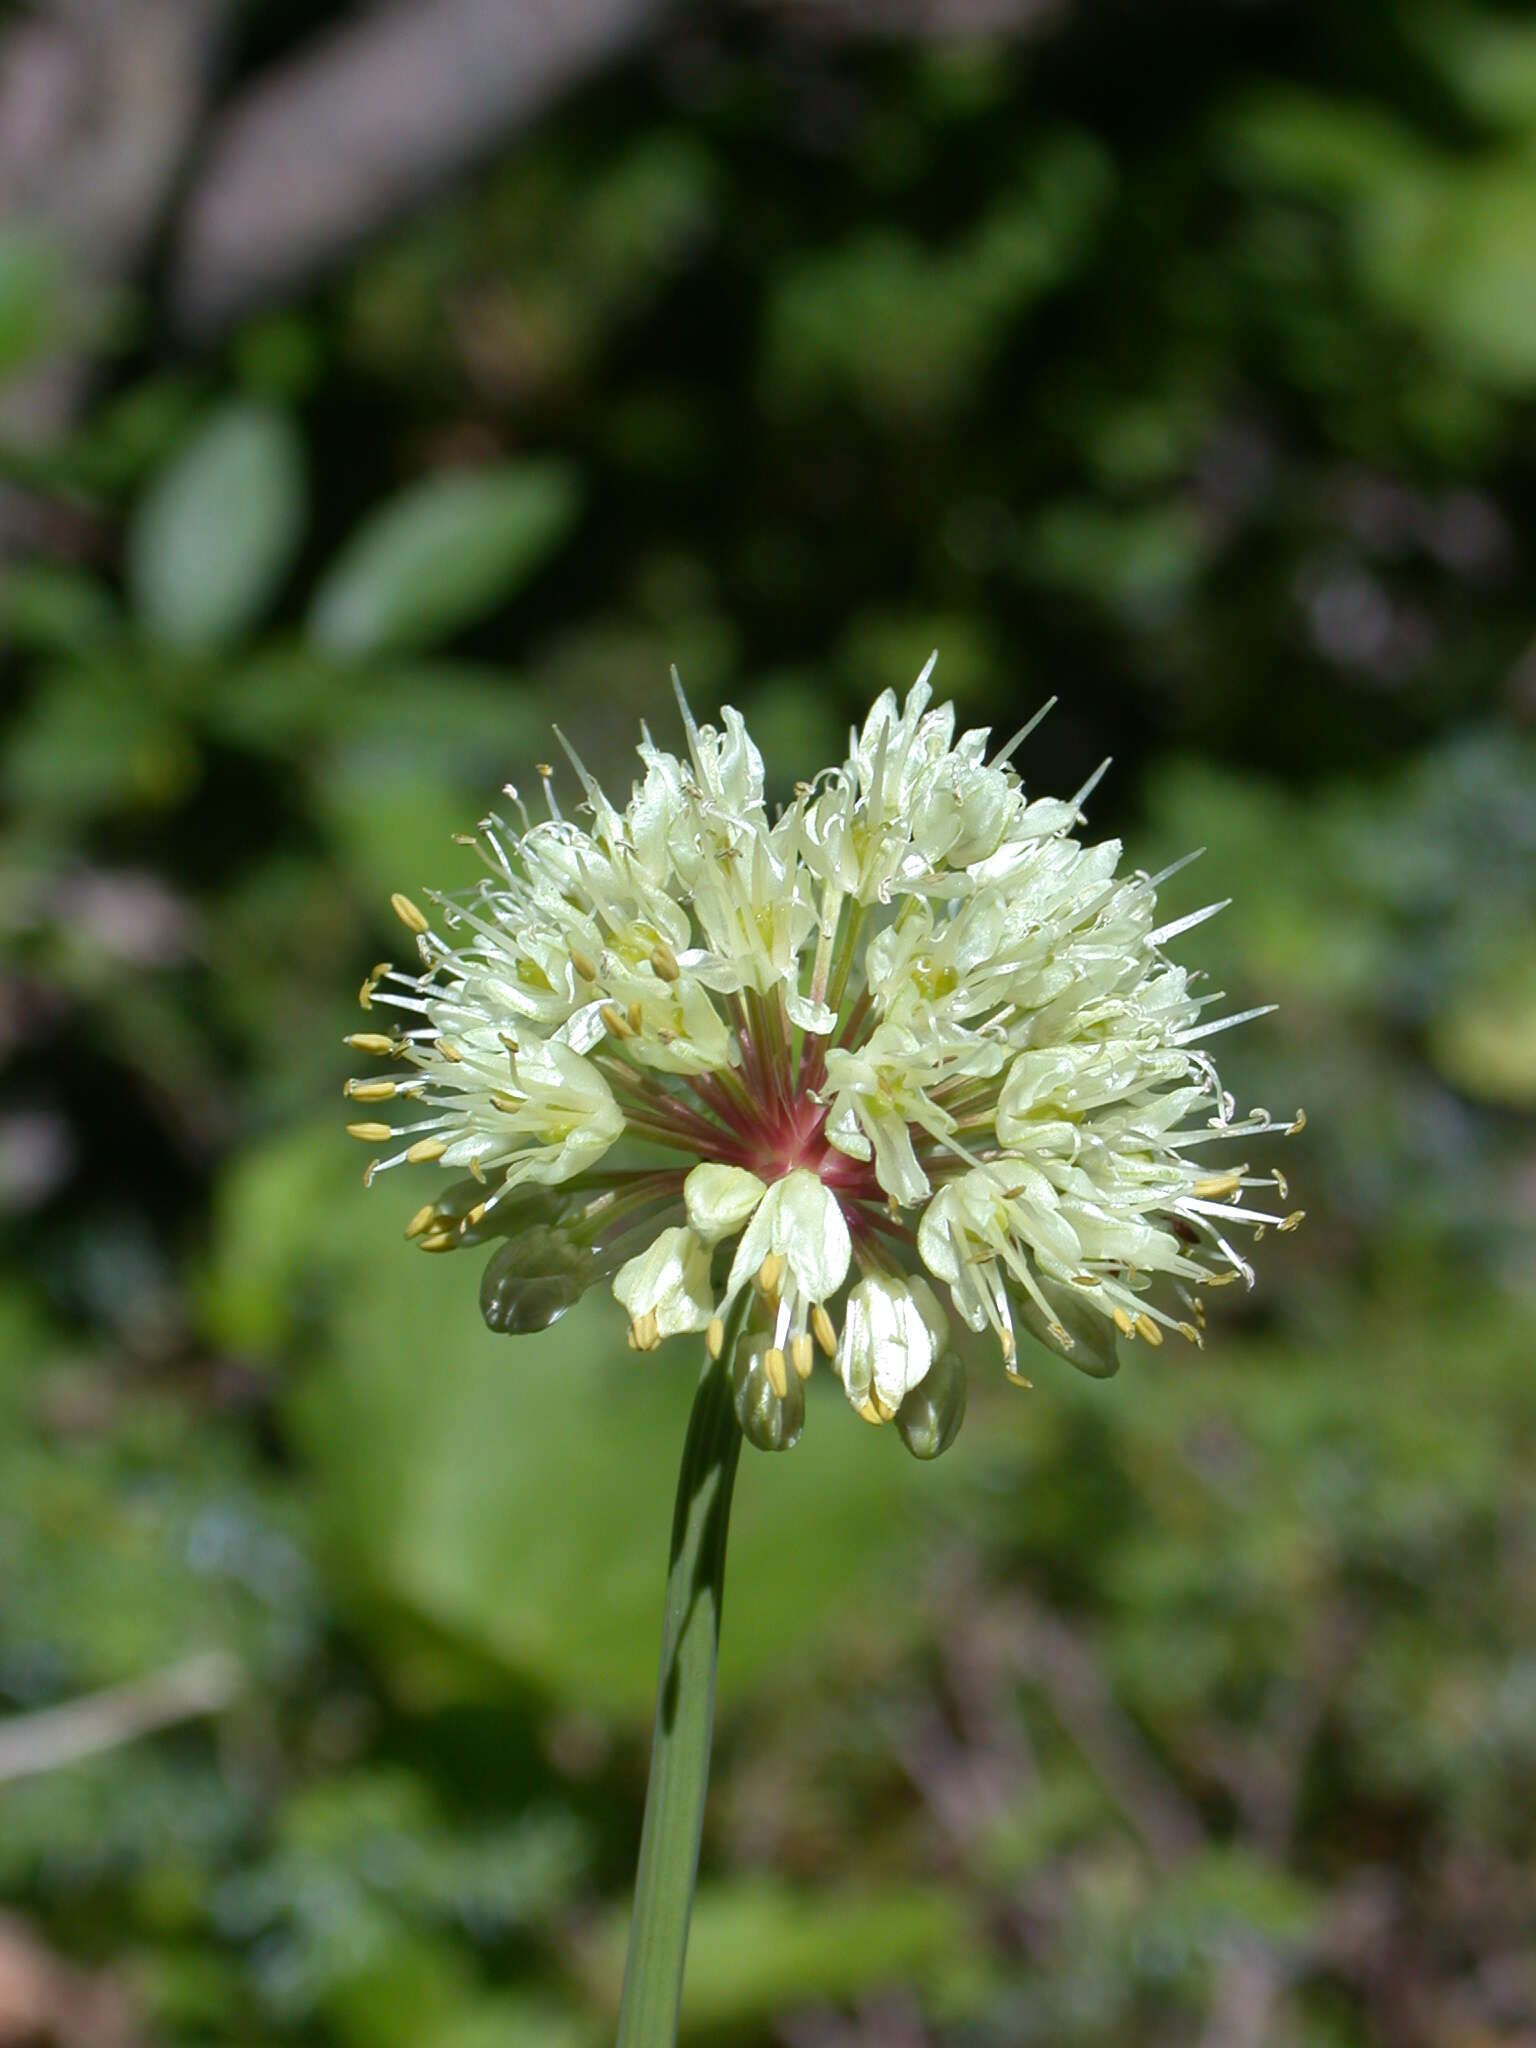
(685, 1710)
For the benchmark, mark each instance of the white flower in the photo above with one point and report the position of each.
(666, 1288)
(893, 1330)
(907, 1022)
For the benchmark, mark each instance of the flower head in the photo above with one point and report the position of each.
(907, 1038)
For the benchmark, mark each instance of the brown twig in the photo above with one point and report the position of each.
(45, 1741)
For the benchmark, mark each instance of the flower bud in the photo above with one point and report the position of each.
(769, 1421)
(1080, 1333)
(534, 1278)
(929, 1419)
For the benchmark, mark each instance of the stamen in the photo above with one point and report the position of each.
(371, 981)
(408, 914)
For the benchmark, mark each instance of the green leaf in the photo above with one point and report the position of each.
(213, 539)
(443, 553)
(94, 740)
(29, 297)
(515, 1494)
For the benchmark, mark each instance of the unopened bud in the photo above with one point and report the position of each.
(929, 1419)
(534, 1278)
(771, 1418)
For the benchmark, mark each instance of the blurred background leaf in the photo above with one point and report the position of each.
(213, 538)
(440, 555)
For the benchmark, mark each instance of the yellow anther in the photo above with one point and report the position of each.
(583, 964)
(544, 770)
(371, 1042)
(647, 1331)
(421, 1221)
(802, 1355)
(473, 1216)
(369, 1091)
(870, 1412)
(1087, 1280)
(616, 1020)
(370, 1170)
(1145, 1327)
(636, 1019)
(1295, 1128)
(439, 1241)
(477, 1171)
(408, 914)
(773, 1365)
(822, 1330)
(1295, 1220)
(1124, 1323)
(664, 960)
(1006, 1345)
(714, 1337)
(371, 1134)
(447, 1052)
(425, 1150)
(509, 1105)
(371, 980)
(1218, 1185)
(509, 1042)
(770, 1273)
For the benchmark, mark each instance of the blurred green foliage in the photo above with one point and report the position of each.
(1181, 362)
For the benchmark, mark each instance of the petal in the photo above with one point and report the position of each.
(812, 1233)
(803, 1222)
(720, 1199)
(669, 1279)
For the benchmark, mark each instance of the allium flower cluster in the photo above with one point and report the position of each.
(905, 1053)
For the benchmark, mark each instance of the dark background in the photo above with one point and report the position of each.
(382, 383)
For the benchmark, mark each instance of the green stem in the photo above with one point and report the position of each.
(685, 1710)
